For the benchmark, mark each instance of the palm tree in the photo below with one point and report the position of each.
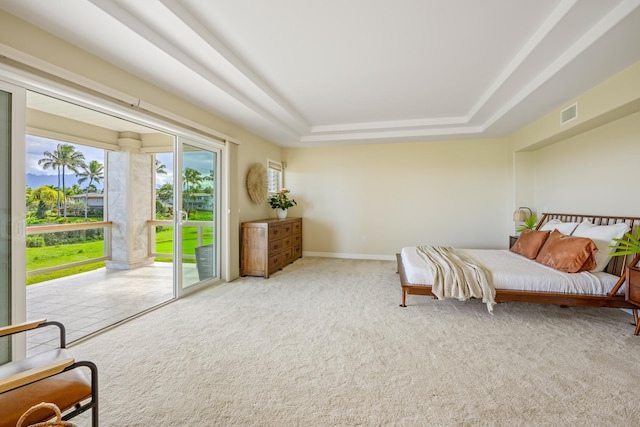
(74, 189)
(68, 157)
(161, 168)
(191, 178)
(52, 160)
(165, 193)
(94, 173)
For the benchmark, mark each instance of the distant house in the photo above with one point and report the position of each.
(93, 200)
(199, 201)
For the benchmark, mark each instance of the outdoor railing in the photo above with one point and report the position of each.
(57, 228)
(200, 225)
(34, 230)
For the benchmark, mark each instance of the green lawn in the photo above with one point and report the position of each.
(164, 240)
(50, 256)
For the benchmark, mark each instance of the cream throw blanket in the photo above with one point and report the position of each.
(457, 275)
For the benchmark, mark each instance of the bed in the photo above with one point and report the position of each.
(516, 277)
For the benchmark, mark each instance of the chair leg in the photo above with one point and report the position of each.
(93, 404)
(635, 318)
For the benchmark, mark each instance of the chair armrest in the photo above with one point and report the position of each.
(32, 375)
(21, 327)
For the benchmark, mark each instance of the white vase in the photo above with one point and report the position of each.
(281, 213)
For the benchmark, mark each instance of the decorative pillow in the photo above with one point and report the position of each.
(602, 236)
(530, 242)
(568, 253)
(563, 227)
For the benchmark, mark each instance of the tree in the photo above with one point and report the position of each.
(190, 178)
(42, 198)
(63, 157)
(164, 196)
(165, 193)
(74, 189)
(72, 159)
(161, 168)
(52, 160)
(94, 172)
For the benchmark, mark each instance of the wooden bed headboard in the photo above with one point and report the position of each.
(618, 263)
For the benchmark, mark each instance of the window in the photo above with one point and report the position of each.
(274, 176)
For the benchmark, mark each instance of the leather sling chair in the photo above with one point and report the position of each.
(51, 376)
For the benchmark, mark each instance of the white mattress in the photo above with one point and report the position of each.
(515, 272)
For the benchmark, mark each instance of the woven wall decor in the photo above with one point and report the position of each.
(257, 183)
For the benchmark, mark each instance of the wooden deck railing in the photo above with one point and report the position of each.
(57, 228)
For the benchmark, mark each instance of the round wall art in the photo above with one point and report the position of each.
(257, 183)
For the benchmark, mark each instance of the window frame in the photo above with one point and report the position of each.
(274, 168)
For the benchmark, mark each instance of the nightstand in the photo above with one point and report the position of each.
(632, 292)
(512, 240)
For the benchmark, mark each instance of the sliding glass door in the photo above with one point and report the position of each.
(197, 225)
(12, 215)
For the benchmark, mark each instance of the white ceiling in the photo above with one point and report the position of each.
(341, 71)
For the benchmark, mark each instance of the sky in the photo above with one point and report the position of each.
(202, 161)
(36, 146)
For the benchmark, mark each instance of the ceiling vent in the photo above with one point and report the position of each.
(568, 114)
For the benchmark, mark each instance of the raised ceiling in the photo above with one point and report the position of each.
(313, 72)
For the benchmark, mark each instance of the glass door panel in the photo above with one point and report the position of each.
(12, 215)
(198, 213)
(5, 220)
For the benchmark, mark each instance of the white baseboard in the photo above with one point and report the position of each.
(350, 256)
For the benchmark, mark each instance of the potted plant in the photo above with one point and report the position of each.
(630, 246)
(281, 202)
(529, 223)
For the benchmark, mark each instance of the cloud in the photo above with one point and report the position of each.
(36, 146)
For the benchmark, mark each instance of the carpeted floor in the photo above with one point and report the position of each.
(324, 343)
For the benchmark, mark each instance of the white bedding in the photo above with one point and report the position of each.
(515, 272)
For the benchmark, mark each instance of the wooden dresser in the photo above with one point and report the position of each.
(268, 245)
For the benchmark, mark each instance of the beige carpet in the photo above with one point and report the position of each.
(324, 343)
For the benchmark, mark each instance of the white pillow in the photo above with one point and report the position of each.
(563, 227)
(602, 236)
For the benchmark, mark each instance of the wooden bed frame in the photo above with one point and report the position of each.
(616, 266)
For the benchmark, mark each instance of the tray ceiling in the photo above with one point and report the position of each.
(302, 73)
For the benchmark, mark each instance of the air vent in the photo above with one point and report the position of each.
(568, 114)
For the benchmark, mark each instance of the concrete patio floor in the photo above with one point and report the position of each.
(88, 302)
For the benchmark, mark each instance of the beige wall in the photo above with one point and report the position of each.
(447, 193)
(580, 167)
(595, 172)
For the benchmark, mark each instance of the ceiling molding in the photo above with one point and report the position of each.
(225, 61)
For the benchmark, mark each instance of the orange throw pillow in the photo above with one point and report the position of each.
(530, 242)
(568, 253)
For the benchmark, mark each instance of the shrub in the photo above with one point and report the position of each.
(35, 241)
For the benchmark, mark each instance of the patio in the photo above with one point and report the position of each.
(88, 302)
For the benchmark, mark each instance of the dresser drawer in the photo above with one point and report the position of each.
(275, 263)
(297, 251)
(287, 242)
(275, 232)
(297, 227)
(287, 229)
(297, 239)
(275, 246)
(287, 256)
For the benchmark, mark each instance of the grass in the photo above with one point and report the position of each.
(31, 280)
(51, 256)
(164, 240)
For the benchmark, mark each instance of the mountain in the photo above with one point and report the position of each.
(34, 181)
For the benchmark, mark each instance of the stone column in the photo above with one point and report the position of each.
(129, 203)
